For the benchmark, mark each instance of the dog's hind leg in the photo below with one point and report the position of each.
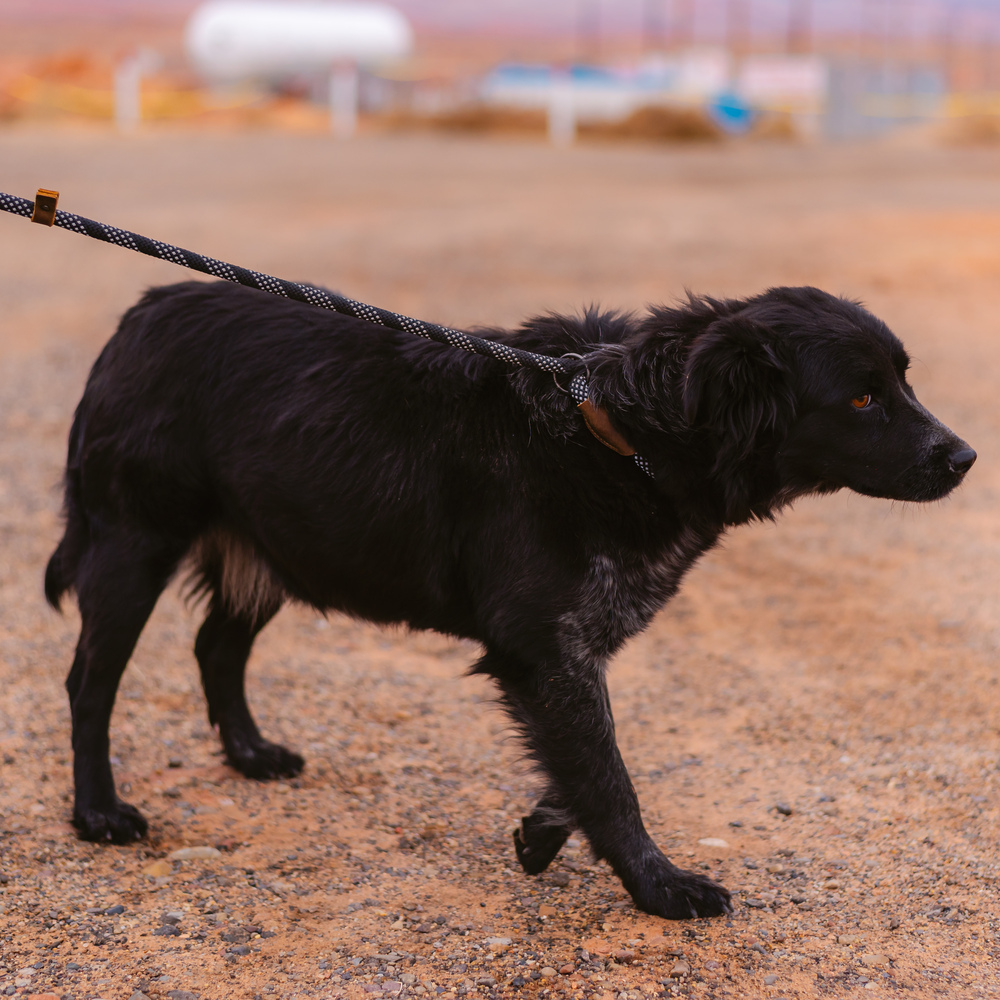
(118, 580)
(565, 716)
(222, 648)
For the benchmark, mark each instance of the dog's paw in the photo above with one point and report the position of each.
(267, 760)
(670, 892)
(537, 844)
(121, 824)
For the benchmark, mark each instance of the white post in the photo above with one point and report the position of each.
(344, 100)
(562, 110)
(128, 88)
(128, 100)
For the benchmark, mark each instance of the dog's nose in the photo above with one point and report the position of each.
(961, 460)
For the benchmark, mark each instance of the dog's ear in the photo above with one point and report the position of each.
(737, 387)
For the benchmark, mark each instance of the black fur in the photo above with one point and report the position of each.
(285, 453)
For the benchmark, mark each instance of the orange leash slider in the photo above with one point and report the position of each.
(44, 212)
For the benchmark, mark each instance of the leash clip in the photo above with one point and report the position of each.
(44, 210)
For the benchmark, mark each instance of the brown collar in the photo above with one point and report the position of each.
(599, 425)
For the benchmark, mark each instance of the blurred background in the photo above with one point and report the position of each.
(671, 70)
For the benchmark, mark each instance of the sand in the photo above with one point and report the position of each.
(814, 719)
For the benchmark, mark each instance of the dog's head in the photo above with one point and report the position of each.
(805, 392)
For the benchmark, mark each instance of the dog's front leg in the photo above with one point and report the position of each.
(565, 716)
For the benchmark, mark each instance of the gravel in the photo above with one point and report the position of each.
(802, 662)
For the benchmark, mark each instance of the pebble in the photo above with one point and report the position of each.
(783, 807)
(195, 853)
(173, 916)
(167, 930)
(158, 869)
(548, 972)
(831, 883)
(175, 762)
(392, 986)
(713, 842)
(874, 959)
(770, 980)
(182, 995)
(545, 910)
(112, 911)
(776, 869)
(680, 969)
(566, 970)
(561, 879)
(138, 996)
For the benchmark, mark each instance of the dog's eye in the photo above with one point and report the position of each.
(860, 402)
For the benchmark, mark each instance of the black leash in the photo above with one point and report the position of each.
(43, 210)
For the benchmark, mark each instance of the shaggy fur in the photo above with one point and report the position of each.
(284, 453)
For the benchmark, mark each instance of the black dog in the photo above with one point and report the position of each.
(285, 453)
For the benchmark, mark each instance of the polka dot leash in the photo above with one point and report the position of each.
(43, 210)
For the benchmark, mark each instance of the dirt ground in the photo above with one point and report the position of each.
(815, 719)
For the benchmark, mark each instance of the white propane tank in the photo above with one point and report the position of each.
(245, 39)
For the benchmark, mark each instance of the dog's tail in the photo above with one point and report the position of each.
(60, 573)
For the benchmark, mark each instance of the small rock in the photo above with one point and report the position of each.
(112, 911)
(548, 972)
(72, 966)
(173, 916)
(783, 807)
(849, 938)
(755, 903)
(561, 879)
(167, 930)
(138, 995)
(545, 910)
(736, 823)
(713, 842)
(392, 986)
(596, 946)
(776, 869)
(625, 956)
(195, 853)
(749, 863)
(770, 980)
(831, 883)
(158, 869)
(874, 959)
(798, 899)
(182, 995)
(175, 762)
(680, 969)
(408, 978)
(894, 923)
(485, 981)
(567, 970)
(239, 949)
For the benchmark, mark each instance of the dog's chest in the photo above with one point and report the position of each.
(623, 592)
